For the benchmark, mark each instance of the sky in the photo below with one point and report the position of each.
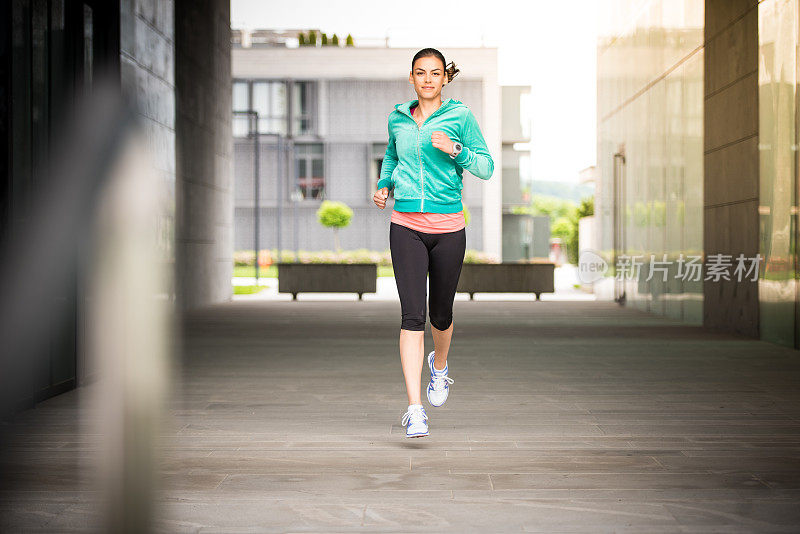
(547, 44)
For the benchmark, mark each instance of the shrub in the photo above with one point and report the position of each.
(246, 258)
(477, 256)
(333, 214)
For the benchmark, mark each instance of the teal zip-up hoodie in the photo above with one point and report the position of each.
(424, 178)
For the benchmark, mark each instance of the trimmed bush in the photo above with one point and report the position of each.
(334, 214)
(246, 258)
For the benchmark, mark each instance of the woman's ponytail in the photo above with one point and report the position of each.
(452, 71)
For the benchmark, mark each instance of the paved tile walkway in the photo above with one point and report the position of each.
(564, 417)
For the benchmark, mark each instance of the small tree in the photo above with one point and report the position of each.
(586, 207)
(564, 228)
(335, 40)
(301, 38)
(324, 39)
(349, 41)
(312, 38)
(333, 214)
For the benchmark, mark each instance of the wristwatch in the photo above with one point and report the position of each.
(457, 147)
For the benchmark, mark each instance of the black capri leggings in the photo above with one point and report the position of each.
(414, 255)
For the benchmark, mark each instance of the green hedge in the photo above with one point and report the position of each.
(246, 258)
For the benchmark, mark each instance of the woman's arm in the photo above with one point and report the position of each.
(475, 156)
(389, 163)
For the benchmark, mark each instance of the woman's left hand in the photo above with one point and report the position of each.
(440, 140)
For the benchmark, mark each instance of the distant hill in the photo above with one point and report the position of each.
(566, 190)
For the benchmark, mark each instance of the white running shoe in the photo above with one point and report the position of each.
(416, 418)
(438, 387)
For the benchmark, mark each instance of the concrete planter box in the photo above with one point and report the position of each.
(535, 278)
(297, 278)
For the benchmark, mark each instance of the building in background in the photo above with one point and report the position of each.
(587, 226)
(697, 119)
(524, 236)
(323, 114)
(650, 148)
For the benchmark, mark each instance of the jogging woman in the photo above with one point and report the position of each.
(431, 142)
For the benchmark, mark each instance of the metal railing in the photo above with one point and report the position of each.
(283, 146)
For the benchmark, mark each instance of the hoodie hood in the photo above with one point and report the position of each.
(448, 103)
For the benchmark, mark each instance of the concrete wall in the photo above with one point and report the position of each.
(204, 152)
(147, 76)
(731, 160)
(515, 125)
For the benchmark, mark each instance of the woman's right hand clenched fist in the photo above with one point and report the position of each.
(380, 197)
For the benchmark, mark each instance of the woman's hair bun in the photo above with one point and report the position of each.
(452, 71)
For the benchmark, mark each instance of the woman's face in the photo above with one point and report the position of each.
(428, 77)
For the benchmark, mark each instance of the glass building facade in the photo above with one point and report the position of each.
(778, 184)
(697, 156)
(649, 201)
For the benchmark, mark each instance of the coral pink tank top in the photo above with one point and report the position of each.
(431, 223)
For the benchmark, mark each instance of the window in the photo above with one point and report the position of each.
(375, 163)
(269, 101)
(303, 108)
(309, 170)
(241, 102)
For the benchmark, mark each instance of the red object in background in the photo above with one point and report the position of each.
(556, 252)
(264, 258)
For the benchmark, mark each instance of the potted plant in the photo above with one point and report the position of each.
(481, 273)
(532, 276)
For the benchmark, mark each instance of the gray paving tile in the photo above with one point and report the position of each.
(565, 416)
(405, 480)
(619, 480)
(301, 465)
(533, 464)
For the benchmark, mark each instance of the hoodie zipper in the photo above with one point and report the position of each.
(419, 150)
(421, 176)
